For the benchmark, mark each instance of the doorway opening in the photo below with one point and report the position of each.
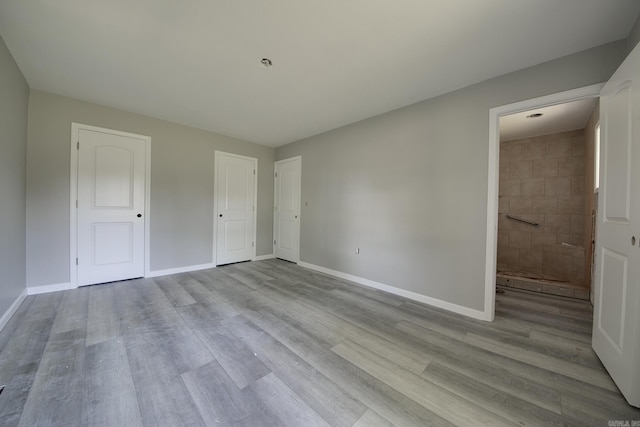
(546, 209)
(512, 223)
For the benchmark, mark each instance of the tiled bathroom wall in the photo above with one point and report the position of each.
(542, 180)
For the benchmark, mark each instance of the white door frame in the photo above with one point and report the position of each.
(73, 211)
(592, 91)
(215, 203)
(299, 190)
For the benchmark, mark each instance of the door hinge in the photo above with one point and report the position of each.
(276, 174)
(76, 204)
(76, 261)
(251, 244)
(78, 146)
(254, 171)
(274, 243)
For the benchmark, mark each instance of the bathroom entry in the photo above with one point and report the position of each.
(546, 199)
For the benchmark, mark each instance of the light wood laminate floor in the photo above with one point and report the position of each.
(269, 343)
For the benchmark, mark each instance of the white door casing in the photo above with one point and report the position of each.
(236, 200)
(110, 203)
(616, 322)
(286, 218)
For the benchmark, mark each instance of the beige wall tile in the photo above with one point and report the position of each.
(503, 239)
(577, 185)
(504, 170)
(533, 149)
(521, 204)
(520, 239)
(577, 225)
(570, 204)
(510, 151)
(542, 168)
(531, 260)
(508, 257)
(571, 166)
(560, 186)
(558, 148)
(557, 223)
(521, 169)
(503, 204)
(555, 266)
(538, 240)
(509, 187)
(532, 187)
(577, 146)
(545, 204)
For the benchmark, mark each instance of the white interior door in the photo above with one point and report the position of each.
(286, 221)
(236, 200)
(616, 323)
(110, 206)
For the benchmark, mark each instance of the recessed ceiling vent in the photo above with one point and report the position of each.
(534, 115)
(266, 62)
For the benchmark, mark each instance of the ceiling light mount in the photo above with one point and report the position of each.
(266, 62)
(535, 116)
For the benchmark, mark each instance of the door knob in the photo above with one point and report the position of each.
(220, 215)
(139, 215)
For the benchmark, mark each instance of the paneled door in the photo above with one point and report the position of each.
(286, 219)
(616, 323)
(111, 174)
(235, 205)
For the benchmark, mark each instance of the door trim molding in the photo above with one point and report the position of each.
(73, 184)
(299, 189)
(592, 91)
(215, 203)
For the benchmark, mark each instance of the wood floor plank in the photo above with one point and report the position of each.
(108, 392)
(56, 394)
(250, 344)
(284, 404)
(174, 291)
(550, 363)
(371, 419)
(238, 359)
(103, 322)
(321, 394)
(162, 395)
(20, 358)
(508, 406)
(437, 399)
(219, 401)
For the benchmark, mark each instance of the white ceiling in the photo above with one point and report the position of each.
(555, 118)
(197, 62)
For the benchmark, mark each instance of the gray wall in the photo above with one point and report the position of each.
(182, 182)
(410, 187)
(634, 36)
(13, 142)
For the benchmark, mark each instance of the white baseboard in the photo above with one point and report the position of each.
(44, 289)
(466, 311)
(263, 257)
(12, 310)
(178, 270)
